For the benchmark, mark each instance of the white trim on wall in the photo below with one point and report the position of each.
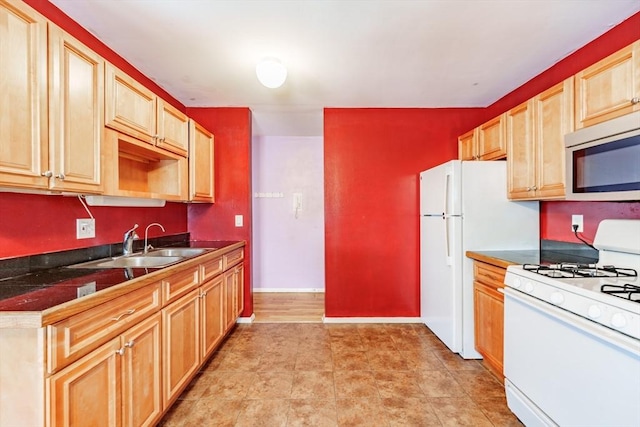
(301, 290)
(371, 319)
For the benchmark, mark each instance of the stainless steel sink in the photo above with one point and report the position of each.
(155, 258)
(180, 252)
(132, 261)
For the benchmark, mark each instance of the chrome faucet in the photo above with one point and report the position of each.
(129, 237)
(146, 232)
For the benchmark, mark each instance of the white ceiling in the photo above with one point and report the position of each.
(344, 53)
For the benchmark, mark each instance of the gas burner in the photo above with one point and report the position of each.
(627, 291)
(571, 270)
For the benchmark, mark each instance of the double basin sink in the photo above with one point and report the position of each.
(155, 258)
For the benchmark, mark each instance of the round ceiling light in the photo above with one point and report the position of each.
(271, 72)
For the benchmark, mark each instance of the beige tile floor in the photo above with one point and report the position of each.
(313, 374)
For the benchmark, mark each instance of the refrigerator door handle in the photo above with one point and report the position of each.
(447, 241)
(447, 180)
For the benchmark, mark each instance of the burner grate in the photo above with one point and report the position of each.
(627, 291)
(569, 270)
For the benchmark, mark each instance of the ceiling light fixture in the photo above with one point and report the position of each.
(271, 72)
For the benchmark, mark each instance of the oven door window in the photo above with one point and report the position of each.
(614, 166)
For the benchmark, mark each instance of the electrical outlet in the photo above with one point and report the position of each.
(89, 288)
(577, 220)
(85, 228)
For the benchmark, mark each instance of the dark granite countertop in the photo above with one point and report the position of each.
(41, 284)
(550, 252)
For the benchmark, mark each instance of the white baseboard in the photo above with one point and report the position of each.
(307, 290)
(371, 319)
(246, 319)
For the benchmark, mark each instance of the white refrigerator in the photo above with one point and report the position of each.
(464, 206)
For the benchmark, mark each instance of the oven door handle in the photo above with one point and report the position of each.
(615, 338)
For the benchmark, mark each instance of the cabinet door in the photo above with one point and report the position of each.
(609, 88)
(491, 139)
(468, 146)
(129, 106)
(201, 164)
(23, 103)
(229, 299)
(87, 392)
(239, 287)
(141, 373)
(521, 166)
(181, 344)
(76, 102)
(553, 119)
(173, 129)
(489, 320)
(211, 296)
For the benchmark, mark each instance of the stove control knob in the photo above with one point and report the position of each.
(594, 312)
(556, 298)
(618, 321)
(528, 287)
(517, 283)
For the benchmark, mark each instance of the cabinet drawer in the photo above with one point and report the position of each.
(210, 269)
(232, 258)
(177, 285)
(78, 335)
(489, 274)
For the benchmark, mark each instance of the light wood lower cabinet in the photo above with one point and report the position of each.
(489, 315)
(116, 385)
(181, 344)
(212, 328)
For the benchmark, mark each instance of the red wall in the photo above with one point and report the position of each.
(371, 159)
(232, 130)
(33, 224)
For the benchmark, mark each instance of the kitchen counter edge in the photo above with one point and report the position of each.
(38, 319)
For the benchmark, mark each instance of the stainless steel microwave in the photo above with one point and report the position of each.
(603, 161)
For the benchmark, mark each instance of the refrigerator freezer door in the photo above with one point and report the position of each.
(441, 278)
(440, 190)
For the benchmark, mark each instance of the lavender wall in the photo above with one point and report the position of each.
(288, 248)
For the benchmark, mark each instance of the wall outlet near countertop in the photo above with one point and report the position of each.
(577, 220)
(85, 228)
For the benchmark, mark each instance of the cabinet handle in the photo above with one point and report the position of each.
(126, 313)
(47, 174)
(61, 176)
(203, 294)
(130, 344)
(635, 100)
(120, 352)
(535, 187)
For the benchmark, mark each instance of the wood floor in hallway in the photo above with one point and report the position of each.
(288, 307)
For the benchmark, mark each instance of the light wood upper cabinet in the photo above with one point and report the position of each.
(24, 149)
(76, 117)
(535, 142)
(133, 109)
(468, 146)
(173, 129)
(201, 164)
(609, 88)
(491, 139)
(129, 106)
(52, 106)
(486, 142)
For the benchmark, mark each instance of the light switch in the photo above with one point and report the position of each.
(239, 220)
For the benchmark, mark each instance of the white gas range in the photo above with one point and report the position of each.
(572, 336)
